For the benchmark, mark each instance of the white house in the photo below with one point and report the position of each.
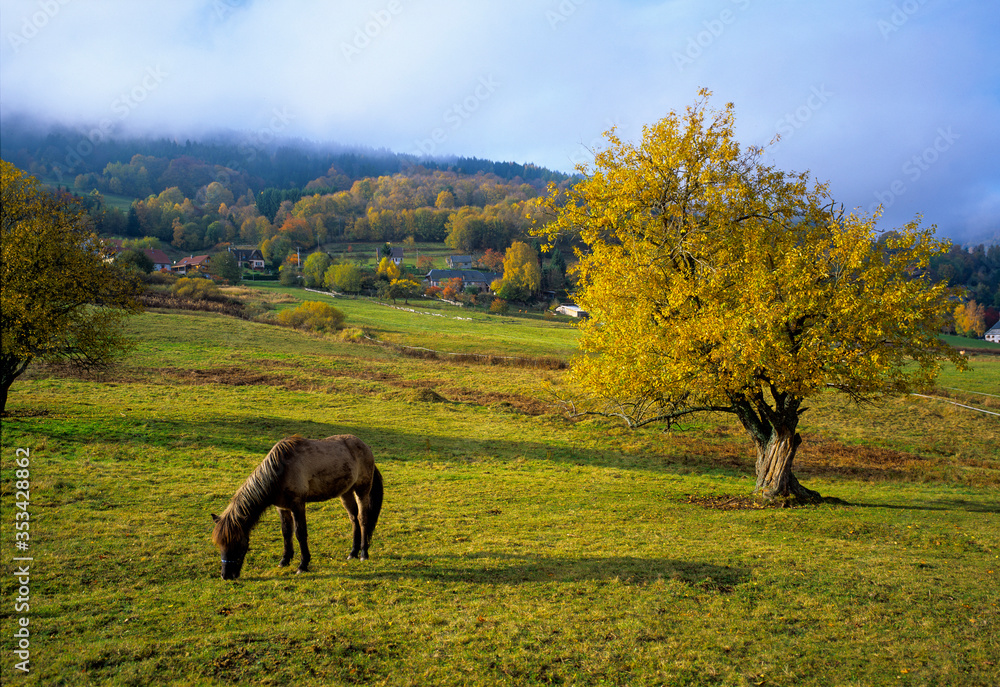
(159, 258)
(993, 334)
(396, 257)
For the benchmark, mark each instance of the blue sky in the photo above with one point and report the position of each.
(895, 102)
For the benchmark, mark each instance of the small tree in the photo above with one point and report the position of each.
(403, 288)
(289, 273)
(314, 268)
(135, 259)
(425, 263)
(970, 319)
(388, 269)
(345, 277)
(715, 282)
(62, 296)
(225, 266)
(522, 277)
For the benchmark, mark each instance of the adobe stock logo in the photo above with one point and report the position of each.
(712, 31)
(122, 106)
(563, 11)
(792, 121)
(364, 35)
(35, 22)
(456, 115)
(915, 167)
(900, 14)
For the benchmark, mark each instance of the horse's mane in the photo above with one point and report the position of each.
(256, 493)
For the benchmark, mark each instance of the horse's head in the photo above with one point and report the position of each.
(233, 550)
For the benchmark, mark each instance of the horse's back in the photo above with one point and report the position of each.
(327, 468)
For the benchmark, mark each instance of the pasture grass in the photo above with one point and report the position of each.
(514, 547)
(440, 326)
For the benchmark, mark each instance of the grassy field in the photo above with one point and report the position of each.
(515, 547)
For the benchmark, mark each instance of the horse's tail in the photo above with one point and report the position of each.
(375, 501)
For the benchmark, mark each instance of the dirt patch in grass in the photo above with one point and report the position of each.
(501, 401)
(294, 377)
(827, 457)
(822, 457)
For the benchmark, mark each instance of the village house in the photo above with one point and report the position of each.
(459, 262)
(159, 258)
(468, 277)
(184, 265)
(248, 256)
(396, 257)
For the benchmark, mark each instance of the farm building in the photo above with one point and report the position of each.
(572, 310)
(459, 262)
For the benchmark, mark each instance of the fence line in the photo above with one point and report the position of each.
(960, 405)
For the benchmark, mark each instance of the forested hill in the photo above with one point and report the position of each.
(256, 160)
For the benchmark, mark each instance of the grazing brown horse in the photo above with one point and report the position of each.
(295, 472)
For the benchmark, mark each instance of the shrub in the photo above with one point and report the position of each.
(196, 289)
(313, 316)
(499, 305)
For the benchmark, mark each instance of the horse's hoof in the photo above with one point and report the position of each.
(301, 570)
(282, 564)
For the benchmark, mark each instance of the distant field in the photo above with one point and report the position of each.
(122, 203)
(515, 547)
(441, 326)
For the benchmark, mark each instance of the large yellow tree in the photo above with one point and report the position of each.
(716, 282)
(522, 277)
(62, 295)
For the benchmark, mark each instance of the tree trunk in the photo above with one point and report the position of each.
(11, 367)
(775, 480)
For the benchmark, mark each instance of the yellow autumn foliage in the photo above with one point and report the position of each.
(715, 281)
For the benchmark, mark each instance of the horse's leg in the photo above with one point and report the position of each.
(299, 516)
(364, 506)
(351, 505)
(287, 528)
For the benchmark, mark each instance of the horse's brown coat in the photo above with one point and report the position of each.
(297, 471)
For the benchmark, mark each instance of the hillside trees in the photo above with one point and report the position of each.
(716, 282)
(61, 297)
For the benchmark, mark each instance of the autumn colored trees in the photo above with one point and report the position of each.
(716, 282)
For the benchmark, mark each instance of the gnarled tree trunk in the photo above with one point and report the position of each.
(774, 468)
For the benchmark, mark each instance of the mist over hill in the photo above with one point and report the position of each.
(59, 153)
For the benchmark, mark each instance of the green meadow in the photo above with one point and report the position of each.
(515, 546)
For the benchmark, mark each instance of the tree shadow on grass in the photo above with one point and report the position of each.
(939, 505)
(510, 569)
